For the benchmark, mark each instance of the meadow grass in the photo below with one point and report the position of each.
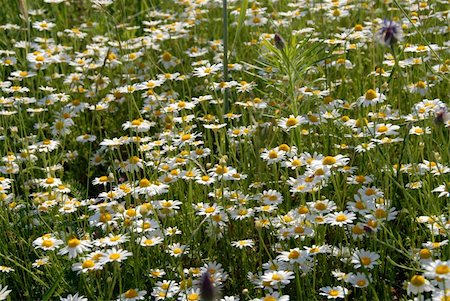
(224, 150)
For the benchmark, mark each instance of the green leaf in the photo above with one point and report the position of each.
(243, 9)
(52, 289)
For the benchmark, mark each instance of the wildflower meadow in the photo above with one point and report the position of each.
(224, 150)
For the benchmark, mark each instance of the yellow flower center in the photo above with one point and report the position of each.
(370, 94)
(136, 122)
(88, 264)
(357, 230)
(294, 254)
(417, 280)
(209, 210)
(276, 277)
(333, 293)
(329, 160)
(442, 269)
(131, 293)
(193, 297)
(341, 218)
(420, 84)
(114, 256)
(366, 260)
(47, 243)
(73, 243)
(144, 183)
(291, 121)
(361, 282)
(273, 154)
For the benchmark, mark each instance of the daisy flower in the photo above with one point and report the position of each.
(75, 247)
(359, 280)
(4, 292)
(132, 295)
(340, 218)
(86, 265)
(47, 242)
(177, 250)
(437, 268)
(275, 296)
(418, 284)
(243, 243)
(207, 70)
(334, 292)
(148, 241)
(366, 259)
(371, 97)
(291, 122)
(276, 278)
(115, 255)
(73, 298)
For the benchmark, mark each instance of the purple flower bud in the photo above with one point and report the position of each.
(390, 33)
(207, 289)
(279, 42)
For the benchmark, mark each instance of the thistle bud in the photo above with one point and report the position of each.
(279, 42)
(207, 290)
(390, 33)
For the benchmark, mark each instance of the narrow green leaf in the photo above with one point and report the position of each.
(52, 289)
(243, 9)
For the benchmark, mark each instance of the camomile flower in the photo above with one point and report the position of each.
(359, 280)
(443, 190)
(73, 298)
(384, 129)
(291, 122)
(4, 292)
(177, 250)
(276, 278)
(340, 218)
(149, 241)
(275, 296)
(334, 292)
(418, 284)
(50, 182)
(273, 155)
(75, 247)
(371, 97)
(294, 256)
(243, 243)
(86, 138)
(86, 265)
(271, 197)
(168, 60)
(132, 294)
(366, 259)
(43, 25)
(207, 70)
(47, 242)
(41, 262)
(138, 125)
(419, 131)
(115, 255)
(191, 294)
(205, 180)
(156, 273)
(114, 240)
(436, 269)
